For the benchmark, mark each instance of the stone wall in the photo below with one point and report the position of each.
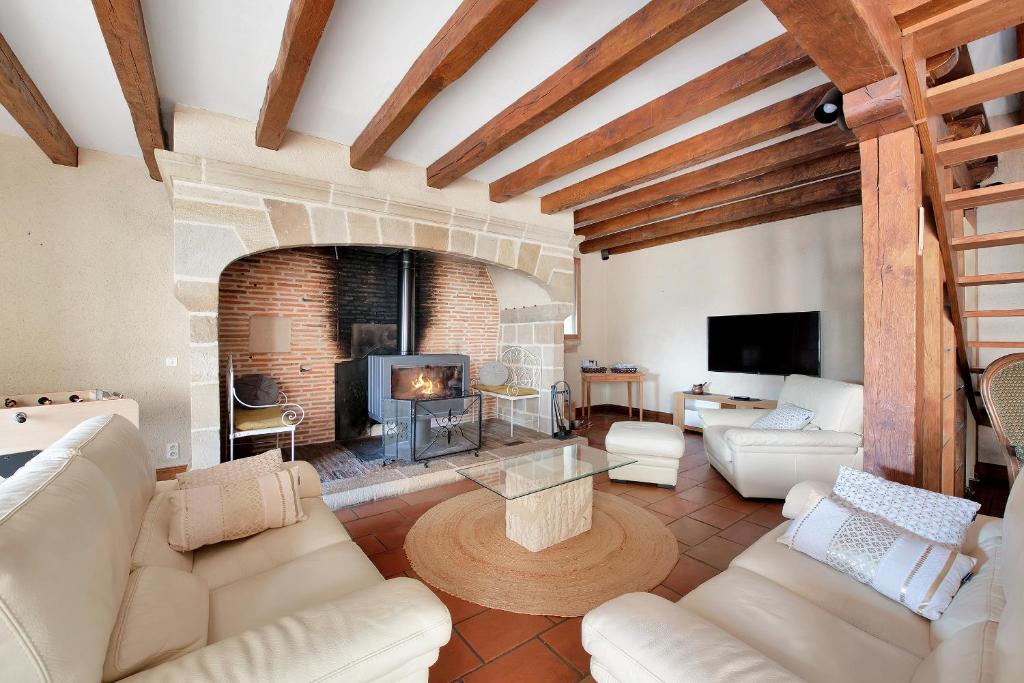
(223, 211)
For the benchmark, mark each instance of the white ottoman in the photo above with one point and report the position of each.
(656, 447)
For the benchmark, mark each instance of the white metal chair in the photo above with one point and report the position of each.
(276, 418)
(523, 381)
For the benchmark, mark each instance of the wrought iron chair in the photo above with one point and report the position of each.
(523, 381)
(277, 418)
(1002, 389)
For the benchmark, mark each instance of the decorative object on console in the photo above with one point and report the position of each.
(205, 515)
(786, 417)
(700, 388)
(920, 574)
(937, 517)
(625, 369)
(593, 370)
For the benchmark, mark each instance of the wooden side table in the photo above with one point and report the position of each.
(679, 412)
(628, 378)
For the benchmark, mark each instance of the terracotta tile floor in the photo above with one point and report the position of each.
(711, 522)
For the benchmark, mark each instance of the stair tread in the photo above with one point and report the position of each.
(981, 146)
(996, 344)
(988, 239)
(983, 196)
(990, 279)
(999, 81)
(995, 313)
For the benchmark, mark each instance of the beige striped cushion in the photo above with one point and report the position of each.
(236, 470)
(211, 514)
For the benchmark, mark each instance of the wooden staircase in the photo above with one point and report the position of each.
(950, 187)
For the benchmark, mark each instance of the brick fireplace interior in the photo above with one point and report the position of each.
(325, 291)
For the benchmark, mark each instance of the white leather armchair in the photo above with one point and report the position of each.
(765, 463)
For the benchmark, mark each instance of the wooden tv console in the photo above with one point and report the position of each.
(679, 406)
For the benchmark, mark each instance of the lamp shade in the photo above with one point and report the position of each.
(270, 334)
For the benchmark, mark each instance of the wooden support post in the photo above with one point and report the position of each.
(891, 193)
(930, 436)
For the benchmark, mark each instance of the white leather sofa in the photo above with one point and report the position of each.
(300, 603)
(764, 463)
(778, 615)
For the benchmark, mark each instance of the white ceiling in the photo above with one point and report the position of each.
(216, 54)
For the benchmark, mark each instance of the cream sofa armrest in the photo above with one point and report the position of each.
(801, 494)
(359, 637)
(640, 637)
(309, 479)
(738, 417)
(757, 439)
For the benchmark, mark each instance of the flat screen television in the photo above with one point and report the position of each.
(766, 344)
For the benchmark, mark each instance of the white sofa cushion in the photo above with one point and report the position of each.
(940, 518)
(856, 604)
(645, 438)
(164, 614)
(234, 470)
(795, 633)
(837, 406)
(306, 581)
(641, 637)
(919, 573)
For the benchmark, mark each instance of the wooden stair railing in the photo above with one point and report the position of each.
(949, 188)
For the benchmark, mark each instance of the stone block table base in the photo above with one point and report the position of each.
(546, 518)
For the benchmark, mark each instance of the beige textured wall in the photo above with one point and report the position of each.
(87, 286)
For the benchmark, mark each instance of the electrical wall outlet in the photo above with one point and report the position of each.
(171, 451)
(171, 361)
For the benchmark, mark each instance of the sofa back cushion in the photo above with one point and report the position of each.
(838, 406)
(65, 544)
(1009, 653)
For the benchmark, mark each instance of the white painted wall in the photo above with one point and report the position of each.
(88, 296)
(650, 307)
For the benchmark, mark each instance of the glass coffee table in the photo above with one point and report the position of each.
(549, 494)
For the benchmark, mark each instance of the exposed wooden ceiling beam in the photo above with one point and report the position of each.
(825, 190)
(124, 30)
(648, 32)
(782, 179)
(22, 99)
(846, 38)
(764, 124)
(303, 28)
(470, 32)
(785, 214)
(819, 143)
(909, 12)
(765, 65)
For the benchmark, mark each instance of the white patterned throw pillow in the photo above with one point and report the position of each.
(787, 417)
(943, 519)
(920, 574)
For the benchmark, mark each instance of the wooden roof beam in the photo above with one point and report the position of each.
(303, 28)
(785, 214)
(470, 32)
(765, 65)
(857, 43)
(825, 190)
(782, 179)
(22, 99)
(651, 30)
(795, 113)
(966, 21)
(124, 30)
(819, 143)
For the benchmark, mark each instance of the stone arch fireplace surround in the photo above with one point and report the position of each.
(224, 211)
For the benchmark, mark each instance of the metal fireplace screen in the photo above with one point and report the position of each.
(416, 382)
(420, 429)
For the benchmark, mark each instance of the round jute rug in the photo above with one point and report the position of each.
(459, 546)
